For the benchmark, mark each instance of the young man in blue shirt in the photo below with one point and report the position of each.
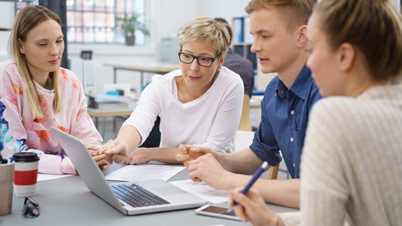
(279, 30)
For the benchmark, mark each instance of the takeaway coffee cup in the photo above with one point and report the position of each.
(25, 173)
(6, 187)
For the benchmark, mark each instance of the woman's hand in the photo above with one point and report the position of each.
(93, 150)
(251, 207)
(115, 150)
(139, 156)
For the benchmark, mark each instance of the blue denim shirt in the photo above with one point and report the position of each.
(284, 119)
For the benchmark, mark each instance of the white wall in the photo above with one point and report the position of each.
(398, 4)
(171, 15)
(224, 8)
(7, 19)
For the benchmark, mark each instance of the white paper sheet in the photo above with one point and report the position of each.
(43, 177)
(144, 172)
(203, 191)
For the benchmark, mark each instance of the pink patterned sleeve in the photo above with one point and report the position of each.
(84, 128)
(12, 132)
(54, 164)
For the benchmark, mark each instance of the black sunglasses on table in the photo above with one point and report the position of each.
(30, 208)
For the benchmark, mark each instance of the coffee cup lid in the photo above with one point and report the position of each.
(25, 156)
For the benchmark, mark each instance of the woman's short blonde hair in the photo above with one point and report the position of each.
(206, 29)
(373, 27)
(26, 19)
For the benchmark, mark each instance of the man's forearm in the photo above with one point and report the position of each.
(243, 162)
(280, 192)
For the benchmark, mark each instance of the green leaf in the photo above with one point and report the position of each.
(129, 24)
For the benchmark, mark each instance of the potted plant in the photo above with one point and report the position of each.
(129, 24)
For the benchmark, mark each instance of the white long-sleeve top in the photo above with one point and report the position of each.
(210, 120)
(352, 161)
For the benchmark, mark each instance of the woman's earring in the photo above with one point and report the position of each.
(217, 72)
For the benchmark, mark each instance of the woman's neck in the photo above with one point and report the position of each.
(42, 78)
(186, 94)
(361, 83)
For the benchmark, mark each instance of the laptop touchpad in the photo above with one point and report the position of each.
(167, 190)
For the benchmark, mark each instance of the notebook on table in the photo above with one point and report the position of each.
(130, 198)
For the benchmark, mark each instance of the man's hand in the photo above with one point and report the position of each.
(206, 168)
(192, 152)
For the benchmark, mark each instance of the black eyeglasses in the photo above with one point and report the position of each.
(30, 208)
(187, 58)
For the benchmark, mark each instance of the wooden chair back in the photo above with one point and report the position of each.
(245, 123)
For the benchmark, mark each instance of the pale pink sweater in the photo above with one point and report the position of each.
(20, 132)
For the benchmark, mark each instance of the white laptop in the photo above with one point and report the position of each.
(149, 196)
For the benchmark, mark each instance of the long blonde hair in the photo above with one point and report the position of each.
(25, 21)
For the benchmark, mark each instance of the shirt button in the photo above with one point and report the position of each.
(292, 112)
(292, 139)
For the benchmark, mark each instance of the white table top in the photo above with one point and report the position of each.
(145, 67)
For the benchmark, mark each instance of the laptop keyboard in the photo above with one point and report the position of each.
(136, 195)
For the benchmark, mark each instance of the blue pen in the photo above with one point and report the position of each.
(256, 175)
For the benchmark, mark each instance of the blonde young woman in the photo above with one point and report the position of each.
(198, 104)
(352, 158)
(37, 94)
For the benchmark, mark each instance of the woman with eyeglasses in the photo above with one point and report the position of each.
(352, 158)
(198, 104)
(36, 93)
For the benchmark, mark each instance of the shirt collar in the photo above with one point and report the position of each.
(299, 86)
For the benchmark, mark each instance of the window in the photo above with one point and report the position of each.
(21, 4)
(94, 21)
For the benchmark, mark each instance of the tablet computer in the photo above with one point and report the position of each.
(217, 211)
